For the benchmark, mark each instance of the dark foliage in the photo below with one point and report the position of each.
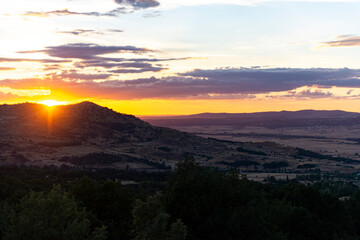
(306, 165)
(255, 152)
(196, 202)
(240, 163)
(275, 165)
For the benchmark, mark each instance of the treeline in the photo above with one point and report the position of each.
(193, 203)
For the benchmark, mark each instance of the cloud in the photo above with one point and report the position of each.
(87, 32)
(33, 60)
(249, 80)
(129, 6)
(115, 30)
(86, 51)
(52, 67)
(7, 96)
(139, 4)
(109, 63)
(201, 84)
(65, 12)
(343, 41)
(6, 68)
(304, 94)
(124, 67)
(84, 32)
(139, 70)
(152, 14)
(92, 56)
(73, 75)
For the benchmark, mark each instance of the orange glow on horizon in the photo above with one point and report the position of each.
(148, 107)
(51, 103)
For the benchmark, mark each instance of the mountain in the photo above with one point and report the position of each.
(86, 135)
(264, 119)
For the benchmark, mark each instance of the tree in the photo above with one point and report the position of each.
(215, 205)
(53, 216)
(151, 222)
(110, 203)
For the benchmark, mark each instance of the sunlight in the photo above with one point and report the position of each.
(51, 103)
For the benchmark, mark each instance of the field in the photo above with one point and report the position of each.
(332, 140)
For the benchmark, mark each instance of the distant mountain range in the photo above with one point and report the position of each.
(86, 135)
(265, 119)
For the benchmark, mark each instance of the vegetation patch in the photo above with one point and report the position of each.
(306, 165)
(275, 165)
(240, 149)
(244, 163)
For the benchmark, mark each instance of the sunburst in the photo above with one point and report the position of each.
(51, 103)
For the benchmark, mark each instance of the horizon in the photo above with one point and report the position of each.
(50, 104)
(155, 57)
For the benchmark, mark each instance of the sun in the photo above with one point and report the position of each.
(51, 103)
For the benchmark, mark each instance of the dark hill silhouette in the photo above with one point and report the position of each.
(265, 119)
(88, 135)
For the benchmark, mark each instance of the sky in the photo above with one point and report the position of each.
(171, 57)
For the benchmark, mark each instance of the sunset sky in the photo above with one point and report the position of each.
(160, 57)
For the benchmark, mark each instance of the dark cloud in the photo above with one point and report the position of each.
(201, 84)
(65, 12)
(139, 4)
(343, 41)
(125, 67)
(139, 70)
(33, 60)
(249, 80)
(123, 62)
(92, 56)
(86, 51)
(143, 59)
(106, 64)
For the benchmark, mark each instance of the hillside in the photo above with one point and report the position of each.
(264, 119)
(86, 135)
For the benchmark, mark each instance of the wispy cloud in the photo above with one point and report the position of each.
(84, 32)
(152, 14)
(87, 32)
(33, 60)
(73, 75)
(128, 6)
(66, 12)
(343, 41)
(6, 68)
(304, 94)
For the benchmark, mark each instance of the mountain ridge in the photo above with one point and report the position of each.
(266, 119)
(88, 135)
